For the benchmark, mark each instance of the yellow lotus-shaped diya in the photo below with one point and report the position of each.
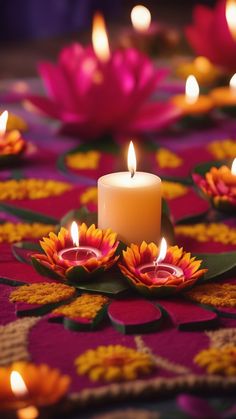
(11, 142)
(66, 257)
(219, 186)
(154, 275)
(37, 385)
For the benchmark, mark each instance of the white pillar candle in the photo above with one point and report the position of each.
(130, 204)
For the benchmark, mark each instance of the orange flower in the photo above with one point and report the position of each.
(103, 240)
(44, 385)
(134, 257)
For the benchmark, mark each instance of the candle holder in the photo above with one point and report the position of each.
(217, 184)
(35, 386)
(63, 258)
(12, 145)
(176, 272)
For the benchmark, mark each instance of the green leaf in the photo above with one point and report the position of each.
(27, 215)
(44, 270)
(203, 168)
(76, 274)
(187, 180)
(20, 250)
(109, 283)
(81, 215)
(167, 229)
(217, 263)
(11, 282)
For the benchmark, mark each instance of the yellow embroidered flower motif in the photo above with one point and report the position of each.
(86, 306)
(218, 360)
(11, 232)
(223, 149)
(223, 295)
(114, 363)
(42, 293)
(167, 159)
(216, 232)
(172, 190)
(87, 160)
(90, 195)
(32, 188)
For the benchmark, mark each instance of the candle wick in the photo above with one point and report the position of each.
(132, 172)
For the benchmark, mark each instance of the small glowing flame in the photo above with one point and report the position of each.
(131, 159)
(140, 18)
(100, 38)
(191, 90)
(230, 14)
(162, 251)
(232, 82)
(17, 384)
(233, 168)
(3, 123)
(74, 231)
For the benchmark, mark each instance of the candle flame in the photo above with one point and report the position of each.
(230, 14)
(3, 122)
(140, 18)
(74, 231)
(233, 168)
(162, 251)
(100, 38)
(191, 89)
(131, 159)
(232, 82)
(17, 384)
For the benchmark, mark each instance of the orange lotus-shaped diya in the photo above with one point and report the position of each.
(155, 272)
(25, 384)
(11, 142)
(75, 255)
(219, 186)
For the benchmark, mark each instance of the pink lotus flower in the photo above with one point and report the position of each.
(210, 36)
(91, 97)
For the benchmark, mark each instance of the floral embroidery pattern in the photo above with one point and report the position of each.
(90, 195)
(173, 190)
(218, 360)
(11, 232)
(114, 363)
(216, 232)
(167, 159)
(86, 306)
(88, 160)
(224, 149)
(32, 188)
(222, 337)
(222, 295)
(43, 293)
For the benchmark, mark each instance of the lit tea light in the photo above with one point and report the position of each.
(3, 123)
(233, 168)
(20, 391)
(226, 95)
(192, 103)
(78, 254)
(100, 39)
(140, 18)
(159, 272)
(230, 14)
(130, 203)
